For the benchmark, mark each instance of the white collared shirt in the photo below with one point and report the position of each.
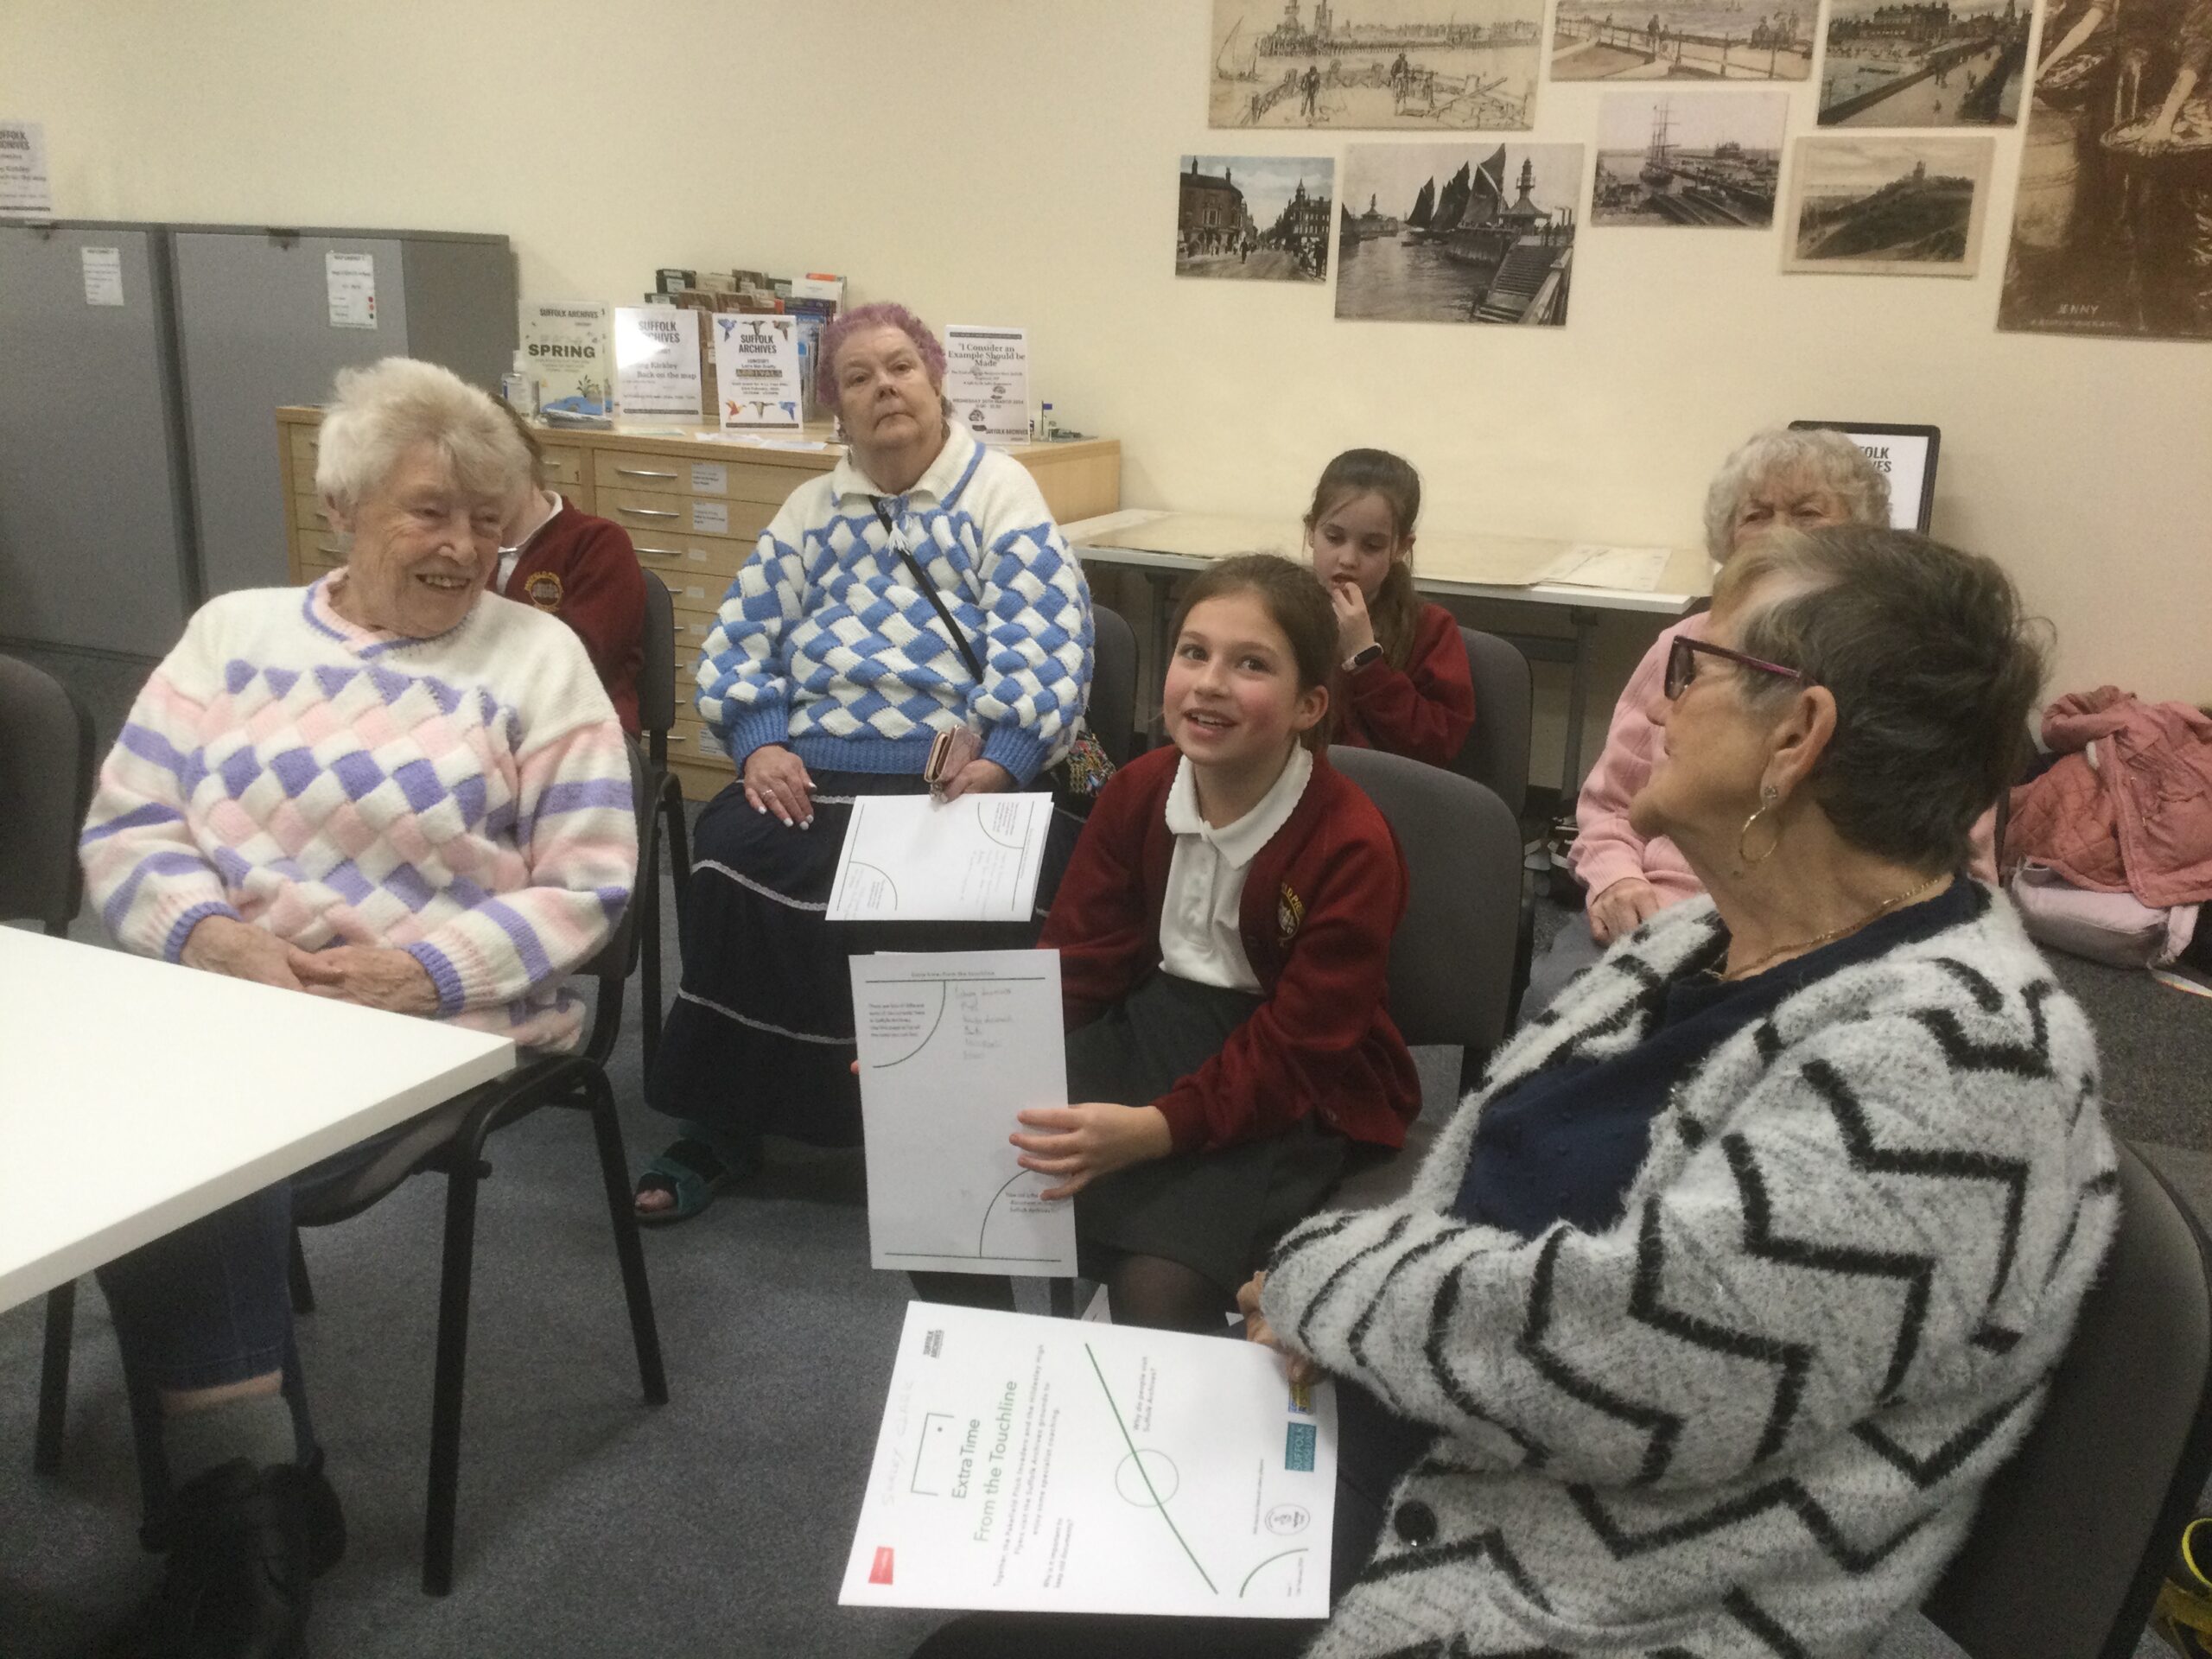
(1200, 938)
(511, 556)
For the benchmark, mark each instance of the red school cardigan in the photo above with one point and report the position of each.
(584, 570)
(1322, 900)
(1426, 708)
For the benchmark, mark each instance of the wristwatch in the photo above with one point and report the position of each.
(1362, 657)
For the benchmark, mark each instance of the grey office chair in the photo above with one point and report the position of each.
(46, 788)
(1112, 716)
(2073, 1534)
(656, 717)
(1495, 752)
(449, 1140)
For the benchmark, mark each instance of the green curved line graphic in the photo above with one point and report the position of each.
(1141, 1473)
(1270, 1561)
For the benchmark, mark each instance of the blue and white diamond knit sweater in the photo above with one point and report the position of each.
(825, 644)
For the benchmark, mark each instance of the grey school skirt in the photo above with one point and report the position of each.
(1220, 1212)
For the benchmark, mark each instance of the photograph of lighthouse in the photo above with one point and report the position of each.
(1902, 205)
(1924, 63)
(1706, 159)
(1265, 217)
(1438, 65)
(1458, 233)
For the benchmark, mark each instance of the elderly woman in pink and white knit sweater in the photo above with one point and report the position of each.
(1776, 479)
(388, 787)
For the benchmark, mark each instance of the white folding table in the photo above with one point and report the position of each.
(136, 1096)
(1163, 545)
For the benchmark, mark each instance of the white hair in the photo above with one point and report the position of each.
(1821, 455)
(381, 412)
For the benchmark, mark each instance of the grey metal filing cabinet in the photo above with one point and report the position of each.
(231, 323)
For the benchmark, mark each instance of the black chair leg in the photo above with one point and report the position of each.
(649, 949)
(452, 1366)
(54, 1379)
(614, 1171)
(296, 1272)
(679, 845)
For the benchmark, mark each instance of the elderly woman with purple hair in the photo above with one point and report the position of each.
(850, 641)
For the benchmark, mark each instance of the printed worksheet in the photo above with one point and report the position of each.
(952, 1044)
(1039, 1464)
(914, 858)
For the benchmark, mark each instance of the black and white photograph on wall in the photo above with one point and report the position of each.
(2112, 223)
(1902, 205)
(1924, 63)
(1432, 65)
(1261, 218)
(1684, 39)
(1671, 157)
(1458, 233)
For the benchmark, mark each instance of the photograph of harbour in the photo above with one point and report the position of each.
(1906, 205)
(1684, 39)
(1890, 64)
(1259, 218)
(2112, 223)
(1437, 65)
(1458, 233)
(1708, 159)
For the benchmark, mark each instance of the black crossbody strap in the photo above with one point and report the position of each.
(929, 589)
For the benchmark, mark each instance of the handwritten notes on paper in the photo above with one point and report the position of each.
(914, 858)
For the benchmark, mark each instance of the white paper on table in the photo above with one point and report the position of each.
(349, 282)
(952, 1044)
(103, 274)
(986, 381)
(913, 858)
(1039, 1464)
(25, 186)
(1590, 565)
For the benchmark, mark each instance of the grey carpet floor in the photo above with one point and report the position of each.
(591, 1524)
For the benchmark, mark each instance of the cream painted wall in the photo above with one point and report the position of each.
(987, 160)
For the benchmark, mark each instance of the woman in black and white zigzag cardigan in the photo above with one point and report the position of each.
(1748, 1265)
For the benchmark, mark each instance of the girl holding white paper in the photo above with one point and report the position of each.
(1225, 934)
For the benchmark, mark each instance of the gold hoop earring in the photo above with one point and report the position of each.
(1767, 798)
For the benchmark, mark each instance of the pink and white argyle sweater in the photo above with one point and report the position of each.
(465, 798)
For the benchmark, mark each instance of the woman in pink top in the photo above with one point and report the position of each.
(1777, 478)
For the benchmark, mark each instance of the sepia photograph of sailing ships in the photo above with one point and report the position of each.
(1458, 233)
(1706, 159)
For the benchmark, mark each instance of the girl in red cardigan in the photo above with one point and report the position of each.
(1406, 688)
(1224, 935)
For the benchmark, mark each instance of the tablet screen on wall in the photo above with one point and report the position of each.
(1906, 454)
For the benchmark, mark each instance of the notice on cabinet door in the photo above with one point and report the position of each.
(351, 279)
(24, 187)
(103, 274)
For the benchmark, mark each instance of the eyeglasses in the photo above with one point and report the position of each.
(1681, 664)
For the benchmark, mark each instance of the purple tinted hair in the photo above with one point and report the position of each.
(882, 313)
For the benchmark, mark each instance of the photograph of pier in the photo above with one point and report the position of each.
(1259, 218)
(1684, 39)
(1434, 65)
(1893, 64)
(1458, 233)
(1707, 159)
(1907, 206)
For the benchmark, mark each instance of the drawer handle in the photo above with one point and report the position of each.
(648, 513)
(639, 472)
(661, 552)
(327, 547)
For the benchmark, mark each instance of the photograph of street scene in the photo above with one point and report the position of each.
(1931, 64)
(1906, 205)
(1696, 39)
(1262, 218)
(1431, 64)
(1707, 159)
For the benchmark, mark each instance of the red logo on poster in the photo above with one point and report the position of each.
(881, 1572)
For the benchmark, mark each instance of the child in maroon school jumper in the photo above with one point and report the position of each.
(1224, 935)
(1406, 684)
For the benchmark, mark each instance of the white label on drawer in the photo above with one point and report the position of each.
(698, 555)
(694, 592)
(712, 517)
(709, 477)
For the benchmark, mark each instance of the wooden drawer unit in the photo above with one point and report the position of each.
(565, 471)
(667, 517)
(308, 515)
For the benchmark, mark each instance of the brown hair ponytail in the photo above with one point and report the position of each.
(1395, 608)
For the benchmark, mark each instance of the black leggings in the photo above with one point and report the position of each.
(1374, 1448)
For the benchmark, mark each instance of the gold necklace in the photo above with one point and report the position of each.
(1834, 933)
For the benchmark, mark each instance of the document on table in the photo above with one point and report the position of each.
(1036, 1464)
(913, 858)
(1587, 564)
(952, 1044)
